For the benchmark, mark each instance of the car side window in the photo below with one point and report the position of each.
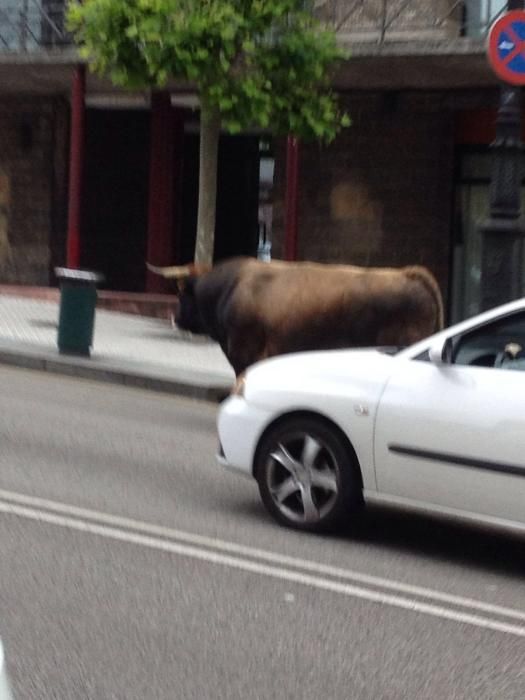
(500, 344)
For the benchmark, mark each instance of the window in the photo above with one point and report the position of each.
(500, 344)
(480, 14)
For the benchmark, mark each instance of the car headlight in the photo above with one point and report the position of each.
(239, 386)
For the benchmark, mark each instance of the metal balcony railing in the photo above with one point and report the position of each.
(27, 25)
(396, 20)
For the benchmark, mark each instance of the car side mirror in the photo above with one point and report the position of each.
(440, 352)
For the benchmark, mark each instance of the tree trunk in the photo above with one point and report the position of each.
(210, 130)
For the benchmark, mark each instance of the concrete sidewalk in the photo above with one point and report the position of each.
(127, 349)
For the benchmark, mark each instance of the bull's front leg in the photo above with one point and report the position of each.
(244, 347)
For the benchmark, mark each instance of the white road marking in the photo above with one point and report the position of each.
(262, 554)
(158, 542)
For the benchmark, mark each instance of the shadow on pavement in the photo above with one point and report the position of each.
(39, 323)
(411, 533)
(440, 539)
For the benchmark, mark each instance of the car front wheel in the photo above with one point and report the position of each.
(307, 475)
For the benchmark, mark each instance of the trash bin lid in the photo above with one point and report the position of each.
(66, 273)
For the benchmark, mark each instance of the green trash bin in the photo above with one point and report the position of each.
(78, 299)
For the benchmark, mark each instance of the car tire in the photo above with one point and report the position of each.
(308, 476)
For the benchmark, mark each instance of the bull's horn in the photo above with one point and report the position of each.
(174, 272)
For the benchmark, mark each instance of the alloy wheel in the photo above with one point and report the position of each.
(302, 475)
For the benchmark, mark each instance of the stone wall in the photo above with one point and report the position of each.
(381, 194)
(33, 134)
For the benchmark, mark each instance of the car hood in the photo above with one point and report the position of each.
(361, 371)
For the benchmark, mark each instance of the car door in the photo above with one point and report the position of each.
(453, 434)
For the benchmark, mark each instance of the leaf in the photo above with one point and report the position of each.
(227, 33)
(225, 103)
(258, 62)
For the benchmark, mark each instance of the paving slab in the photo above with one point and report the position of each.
(127, 349)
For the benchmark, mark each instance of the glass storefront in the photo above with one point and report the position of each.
(472, 208)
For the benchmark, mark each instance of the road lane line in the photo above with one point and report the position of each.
(262, 569)
(265, 555)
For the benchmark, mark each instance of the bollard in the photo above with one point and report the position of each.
(78, 299)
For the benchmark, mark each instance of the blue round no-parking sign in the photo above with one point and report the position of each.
(506, 47)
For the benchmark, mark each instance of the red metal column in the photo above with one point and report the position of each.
(160, 216)
(291, 198)
(179, 117)
(76, 166)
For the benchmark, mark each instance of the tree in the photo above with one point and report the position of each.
(264, 63)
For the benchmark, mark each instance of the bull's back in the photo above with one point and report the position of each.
(311, 305)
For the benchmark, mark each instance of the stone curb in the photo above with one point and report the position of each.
(196, 385)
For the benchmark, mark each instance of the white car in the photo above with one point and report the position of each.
(439, 425)
(5, 693)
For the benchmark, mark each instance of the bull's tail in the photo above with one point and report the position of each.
(426, 278)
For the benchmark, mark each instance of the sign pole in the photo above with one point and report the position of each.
(503, 231)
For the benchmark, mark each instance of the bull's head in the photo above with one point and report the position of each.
(187, 317)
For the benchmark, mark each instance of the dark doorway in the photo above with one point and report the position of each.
(115, 207)
(237, 227)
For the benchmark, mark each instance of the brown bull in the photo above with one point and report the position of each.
(257, 309)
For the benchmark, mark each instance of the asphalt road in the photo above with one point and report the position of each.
(131, 566)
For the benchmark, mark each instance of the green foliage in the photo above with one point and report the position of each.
(257, 62)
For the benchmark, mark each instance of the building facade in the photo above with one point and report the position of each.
(34, 131)
(407, 183)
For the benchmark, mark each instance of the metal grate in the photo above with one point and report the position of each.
(26, 25)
